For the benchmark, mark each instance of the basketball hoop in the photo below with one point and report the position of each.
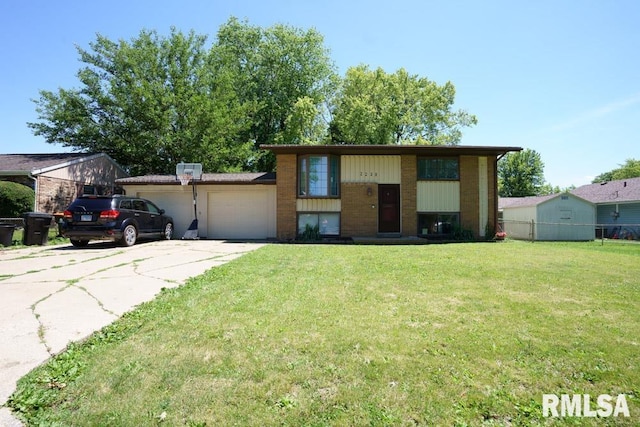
(184, 179)
(186, 172)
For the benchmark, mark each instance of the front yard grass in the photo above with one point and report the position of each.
(461, 334)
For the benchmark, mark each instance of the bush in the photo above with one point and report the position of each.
(15, 199)
(310, 233)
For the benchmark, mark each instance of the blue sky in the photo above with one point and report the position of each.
(558, 77)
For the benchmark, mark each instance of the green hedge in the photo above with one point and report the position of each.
(15, 199)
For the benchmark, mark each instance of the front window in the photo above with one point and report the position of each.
(318, 176)
(437, 224)
(438, 169)
(327, 223)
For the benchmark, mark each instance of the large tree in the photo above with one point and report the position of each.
(149, 103)
(375, 107)
(285, 73)
(630, 169)
(521, 174)
(155, 101)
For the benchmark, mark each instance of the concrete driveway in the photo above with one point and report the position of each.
(51, 295)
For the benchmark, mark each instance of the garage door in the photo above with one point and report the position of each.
(177, 204)
(242, 212)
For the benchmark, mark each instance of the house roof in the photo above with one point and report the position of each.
(620, 191)
(15, 164)
(521, 202)
(207, 178)
(425, 150)
(34, 162)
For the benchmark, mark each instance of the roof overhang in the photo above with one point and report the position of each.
(15, 173)
(248, 178)
(420, 150)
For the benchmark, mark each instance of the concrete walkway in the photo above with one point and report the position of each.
(52, 295)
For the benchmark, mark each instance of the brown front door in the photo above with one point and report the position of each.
(388, 208)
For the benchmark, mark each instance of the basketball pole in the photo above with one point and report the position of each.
(195, 198)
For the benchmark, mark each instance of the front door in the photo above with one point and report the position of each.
(388, 208)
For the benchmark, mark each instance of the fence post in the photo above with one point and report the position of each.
(532, 230)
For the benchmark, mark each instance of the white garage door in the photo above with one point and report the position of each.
(242, 212)
(178, 205)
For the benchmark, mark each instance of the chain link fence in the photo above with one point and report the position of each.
(563, 231)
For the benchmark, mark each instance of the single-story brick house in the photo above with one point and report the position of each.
(58, 178)
(345, 190)
(617, 206)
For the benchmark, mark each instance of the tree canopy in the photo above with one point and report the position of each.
(375, 107)
(630, 169)
(155, 100)
(521, 174)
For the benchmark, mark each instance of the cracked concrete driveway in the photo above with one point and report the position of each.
(51, 295)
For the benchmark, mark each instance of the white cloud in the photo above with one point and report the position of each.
(591, 115)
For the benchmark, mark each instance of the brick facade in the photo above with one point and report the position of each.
(359, 200)
(54, 195)
(359, 217)
(286, 183)
(408, 195)
(469, 196)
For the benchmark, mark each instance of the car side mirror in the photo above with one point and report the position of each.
(161, 211)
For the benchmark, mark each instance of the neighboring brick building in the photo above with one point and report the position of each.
(386, 190)
(58, 179)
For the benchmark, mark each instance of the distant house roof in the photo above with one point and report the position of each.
(207, 178)
(620, 191)
(14, 164)
(521, 202)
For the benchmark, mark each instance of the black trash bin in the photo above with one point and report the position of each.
(6, 234)
(36, 228)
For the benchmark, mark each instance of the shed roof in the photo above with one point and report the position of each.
(424, 150)
(619, 191)
(37, 163)
(521, 202)
(206, 178)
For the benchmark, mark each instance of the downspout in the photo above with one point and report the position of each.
(35, 190)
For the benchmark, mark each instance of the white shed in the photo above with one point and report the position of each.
(559, 217)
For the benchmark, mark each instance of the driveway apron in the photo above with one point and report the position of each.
(52, 295)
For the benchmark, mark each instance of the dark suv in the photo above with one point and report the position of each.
(119, 218)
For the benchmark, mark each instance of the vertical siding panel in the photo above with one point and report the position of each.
(374, 169)
(318, 205)
(483, 195)
(438, 196)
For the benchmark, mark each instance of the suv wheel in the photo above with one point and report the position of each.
(129, 235)
(168, 231)
(79, 243)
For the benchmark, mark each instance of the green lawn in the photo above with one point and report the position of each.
(459, 334)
